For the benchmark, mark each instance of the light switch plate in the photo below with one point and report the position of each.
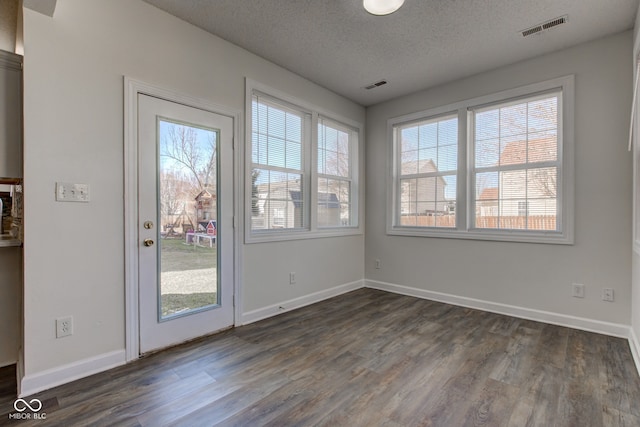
(69, 192)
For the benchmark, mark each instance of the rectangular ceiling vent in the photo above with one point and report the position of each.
(376, 84)
(545, 26)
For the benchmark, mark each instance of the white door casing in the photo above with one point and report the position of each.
(135, 260)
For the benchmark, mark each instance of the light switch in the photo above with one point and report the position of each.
(69, 192)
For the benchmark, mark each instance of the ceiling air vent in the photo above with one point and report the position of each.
(376, 84)
(545, 26)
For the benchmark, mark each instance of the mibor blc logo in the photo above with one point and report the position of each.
(27, 410)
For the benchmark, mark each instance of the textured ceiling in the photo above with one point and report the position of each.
(338, 45)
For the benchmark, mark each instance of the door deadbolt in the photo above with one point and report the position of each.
(148, 242)
(148, 225)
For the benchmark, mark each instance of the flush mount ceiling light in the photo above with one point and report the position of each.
(382, 7)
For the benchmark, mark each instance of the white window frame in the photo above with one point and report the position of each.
(351, 178)
(465, 186)
(310, 170)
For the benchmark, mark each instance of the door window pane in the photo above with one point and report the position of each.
(188, 218)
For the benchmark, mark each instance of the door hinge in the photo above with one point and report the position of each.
(233, 143)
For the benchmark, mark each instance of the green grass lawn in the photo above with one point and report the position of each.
(176, 255)
(175, 303)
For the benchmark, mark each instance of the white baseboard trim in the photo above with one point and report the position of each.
(634, 344)
(292, 304)
(50, 378)
(590, 325)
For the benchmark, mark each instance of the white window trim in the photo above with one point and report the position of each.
(310, 160)
(464, 228)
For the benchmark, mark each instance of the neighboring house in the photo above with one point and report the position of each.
(518, 195)
(281, 204)
(328, 210)
(275, 206)
(424, 196)
(487, 203)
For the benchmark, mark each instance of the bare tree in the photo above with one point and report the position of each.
(188, 166)
(199, 160)
(171, 199)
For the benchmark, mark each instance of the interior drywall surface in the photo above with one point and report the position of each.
(73, 75)
(10, 281)
(8, 24)
(636, 33)
(635, 279)
(535, 276)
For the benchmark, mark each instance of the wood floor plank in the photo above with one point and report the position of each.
(366, 358)
(580, 400)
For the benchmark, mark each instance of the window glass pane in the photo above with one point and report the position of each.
(293, 128)
(447, 158)
(513, 184)
(409, 163)
(409, 139)
(428, 135)
(487, 153)
(543, 146)
(293, 157)
(276, 152)
(513, 120)
(277, 200)
(276, 136)
(429, 149)
(334, 160)
(524, 198)
(448, 132)
(543, 114)
(487, 125)
(428, 160)
(334, 202)
(513, 151)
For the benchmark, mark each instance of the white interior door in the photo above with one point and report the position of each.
(185, 222)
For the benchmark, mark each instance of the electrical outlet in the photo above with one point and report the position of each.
(64, 326)
(378, 265)
(577, 290)
(607, 294)
(292, 278)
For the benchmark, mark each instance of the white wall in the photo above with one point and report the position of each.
(533, 276)
(8, 24)
(635, 291)
(10, 279)
(73, 73)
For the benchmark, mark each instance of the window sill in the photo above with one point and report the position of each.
(282, 236)
(552, 238)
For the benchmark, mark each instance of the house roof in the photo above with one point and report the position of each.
(541, 149)
(490, 193)
(515, 152)
(204, 193)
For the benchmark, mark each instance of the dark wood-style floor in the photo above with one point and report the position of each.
(367, 358)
